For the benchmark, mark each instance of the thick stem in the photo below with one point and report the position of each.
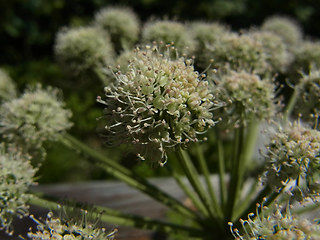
(235, 173)
(222, 181)
(127, 176)
(206, 174)
(189, 193)
(291, 103)
(193, 177)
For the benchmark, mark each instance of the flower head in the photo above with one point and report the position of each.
(284, 27)
(247, 97)
(37, 116)
(293, 160)
(16, 176)
(158, 104)
(7, 87)
(168, 32)
(121, 23)
(206, 35)
(276, 225)
(277, 55)
(239, 52)
(81, 50)
(64, 229)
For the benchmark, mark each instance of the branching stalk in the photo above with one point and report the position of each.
(127, 176)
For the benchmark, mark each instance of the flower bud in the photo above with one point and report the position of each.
(37, 116)
(122, 24)
(169, 32)
(81, 50)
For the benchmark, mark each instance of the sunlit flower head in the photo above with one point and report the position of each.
(158, 104)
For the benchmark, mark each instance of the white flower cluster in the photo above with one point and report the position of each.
(16, 176)
(35, 117)
(56, 229)
(294, 158)
(158, 104)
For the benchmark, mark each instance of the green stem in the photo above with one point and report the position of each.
(123, 219)
(291, 103)
(222, 182)
(127, 176)
(193, 177)
(235, 174)
(243, 205)
(206, 174)
(190, 194)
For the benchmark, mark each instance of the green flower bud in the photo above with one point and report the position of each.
(37, 116)
(63, 229)
(274, 225)
(284, 27)
(293, 160)
(239, 52)
(158, 104)
(7, 86)
(277, 55)
(206, 35)
(16, 176)
(169, 32)
(82, 50)
(122, 24)
(247, 98)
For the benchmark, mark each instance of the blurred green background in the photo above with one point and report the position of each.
(27, 34)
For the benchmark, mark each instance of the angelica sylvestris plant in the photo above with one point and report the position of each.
(158, 104)
(193, 123)
(16, 176)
